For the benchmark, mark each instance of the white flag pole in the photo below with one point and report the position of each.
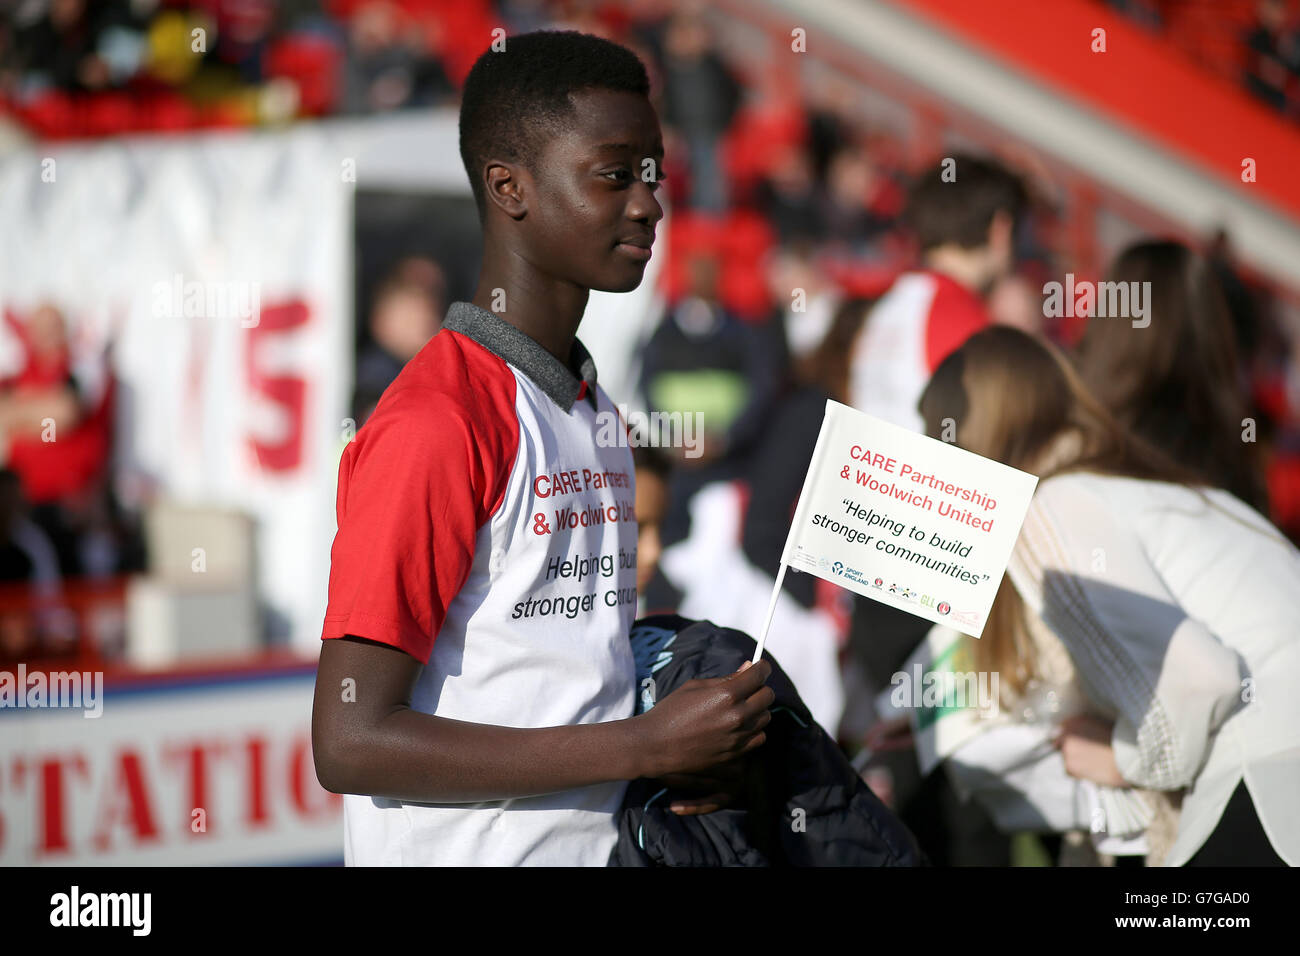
(797, 522)
(771, 609)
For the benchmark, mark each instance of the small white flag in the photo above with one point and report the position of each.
(906, 520)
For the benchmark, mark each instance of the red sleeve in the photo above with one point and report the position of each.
(955, 315)
(415, 486)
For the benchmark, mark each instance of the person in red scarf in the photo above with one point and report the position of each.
(55, 425)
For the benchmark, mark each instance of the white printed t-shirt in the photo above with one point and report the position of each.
(486, 527)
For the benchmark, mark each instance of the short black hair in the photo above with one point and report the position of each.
(954, 201)
(516, 99)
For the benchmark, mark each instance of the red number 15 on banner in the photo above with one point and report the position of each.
(286, 391)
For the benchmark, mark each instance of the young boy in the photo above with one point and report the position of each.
(475, 688)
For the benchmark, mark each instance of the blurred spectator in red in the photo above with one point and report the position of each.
(56, 420)
(407, 311)
(964, 213)
(700, 99)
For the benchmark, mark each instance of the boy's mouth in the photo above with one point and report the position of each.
(637, 247)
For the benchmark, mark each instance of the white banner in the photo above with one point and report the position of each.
(218, 269)
(906, 520)
(210, 769)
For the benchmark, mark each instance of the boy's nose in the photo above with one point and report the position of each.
(644, 207)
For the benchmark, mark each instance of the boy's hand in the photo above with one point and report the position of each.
(705, 723)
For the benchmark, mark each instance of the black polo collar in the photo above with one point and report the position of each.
(501, 338)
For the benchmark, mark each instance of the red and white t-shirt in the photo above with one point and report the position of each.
(920, 321)
(486, 527)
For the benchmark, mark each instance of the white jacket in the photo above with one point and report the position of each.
(1181, 613)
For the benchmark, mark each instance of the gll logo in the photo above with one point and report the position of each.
(944, 607)
(824, 564)
(838, 567)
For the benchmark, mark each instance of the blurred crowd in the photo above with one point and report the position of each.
(1201, 395)
(76, 67)
(1254, 42)
(810, 258)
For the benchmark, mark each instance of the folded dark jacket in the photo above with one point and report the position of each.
(804, 803)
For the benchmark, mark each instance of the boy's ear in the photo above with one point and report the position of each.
(505, 185)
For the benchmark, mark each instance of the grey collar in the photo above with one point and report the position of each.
(499, 337)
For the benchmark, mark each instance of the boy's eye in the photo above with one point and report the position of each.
(624, 176)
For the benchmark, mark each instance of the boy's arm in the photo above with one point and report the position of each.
(376, 745)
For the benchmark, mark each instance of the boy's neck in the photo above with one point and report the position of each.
(546, 309)
(963, 266)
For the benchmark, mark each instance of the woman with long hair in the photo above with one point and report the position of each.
(1175, 378)
(1178, 605)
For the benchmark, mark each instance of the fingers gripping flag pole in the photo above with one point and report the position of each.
(905, 520)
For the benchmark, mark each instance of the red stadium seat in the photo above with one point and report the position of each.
(756, 138)
(108, 114)
(52, 115)
(311, 62)
(169, 113)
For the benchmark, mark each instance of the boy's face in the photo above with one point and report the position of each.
(594, 215)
